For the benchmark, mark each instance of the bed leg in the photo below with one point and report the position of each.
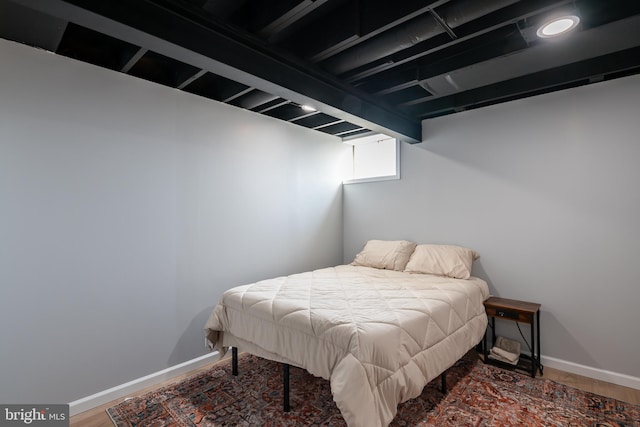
(234, 361)
(285, 377)
(443, 378)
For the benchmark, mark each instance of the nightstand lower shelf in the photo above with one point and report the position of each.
(525, 365)
(516, 311)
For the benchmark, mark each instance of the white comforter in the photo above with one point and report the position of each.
(379, 336)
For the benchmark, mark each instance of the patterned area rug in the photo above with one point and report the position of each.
(479, 395)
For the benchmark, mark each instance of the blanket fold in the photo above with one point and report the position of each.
(378, 336)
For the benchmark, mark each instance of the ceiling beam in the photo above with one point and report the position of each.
(210, 45)
(368, 21)
(533, 84)
(133, 60)
(593, 43)
(43, 31)
(503, 41)
(290, 17)
(504, 17)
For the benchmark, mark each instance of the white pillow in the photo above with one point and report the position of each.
(442, 260)
(386, 254)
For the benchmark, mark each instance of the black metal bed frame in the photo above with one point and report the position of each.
(285, 378)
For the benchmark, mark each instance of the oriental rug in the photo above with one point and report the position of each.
(478, 395)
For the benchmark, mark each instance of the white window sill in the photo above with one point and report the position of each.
(371, 179)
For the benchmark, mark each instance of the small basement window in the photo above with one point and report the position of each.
(373, 158)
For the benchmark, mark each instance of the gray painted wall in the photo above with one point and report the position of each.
(546, 189)
(127, 208)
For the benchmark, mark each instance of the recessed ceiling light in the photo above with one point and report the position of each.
(308, 108)
(558, 26)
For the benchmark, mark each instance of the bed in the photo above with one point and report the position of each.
(378, 329)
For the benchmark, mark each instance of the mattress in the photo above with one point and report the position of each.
(379, 336)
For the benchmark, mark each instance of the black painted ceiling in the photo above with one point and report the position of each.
(366, 66)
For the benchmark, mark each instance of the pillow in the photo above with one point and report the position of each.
(386, 254)
(442, 260)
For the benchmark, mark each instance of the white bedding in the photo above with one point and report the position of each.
(378, 336)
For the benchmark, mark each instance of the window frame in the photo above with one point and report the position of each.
(393, 177)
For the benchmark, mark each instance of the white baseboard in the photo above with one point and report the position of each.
(595, 373)
(134, 386)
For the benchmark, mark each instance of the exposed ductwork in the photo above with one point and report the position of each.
(585, 45)
(427, 57)
(461, 12)
(417, 30)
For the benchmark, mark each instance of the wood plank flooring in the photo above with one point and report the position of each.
(98, 417)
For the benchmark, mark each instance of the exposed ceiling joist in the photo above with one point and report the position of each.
(365, 66)
(44, 32)
(504, 17)
(565, 76)
(213, 47)
(624, 34)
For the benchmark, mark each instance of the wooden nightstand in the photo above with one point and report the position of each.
(516, 311)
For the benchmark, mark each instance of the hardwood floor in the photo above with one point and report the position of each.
(626, 394)
(98, 417)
